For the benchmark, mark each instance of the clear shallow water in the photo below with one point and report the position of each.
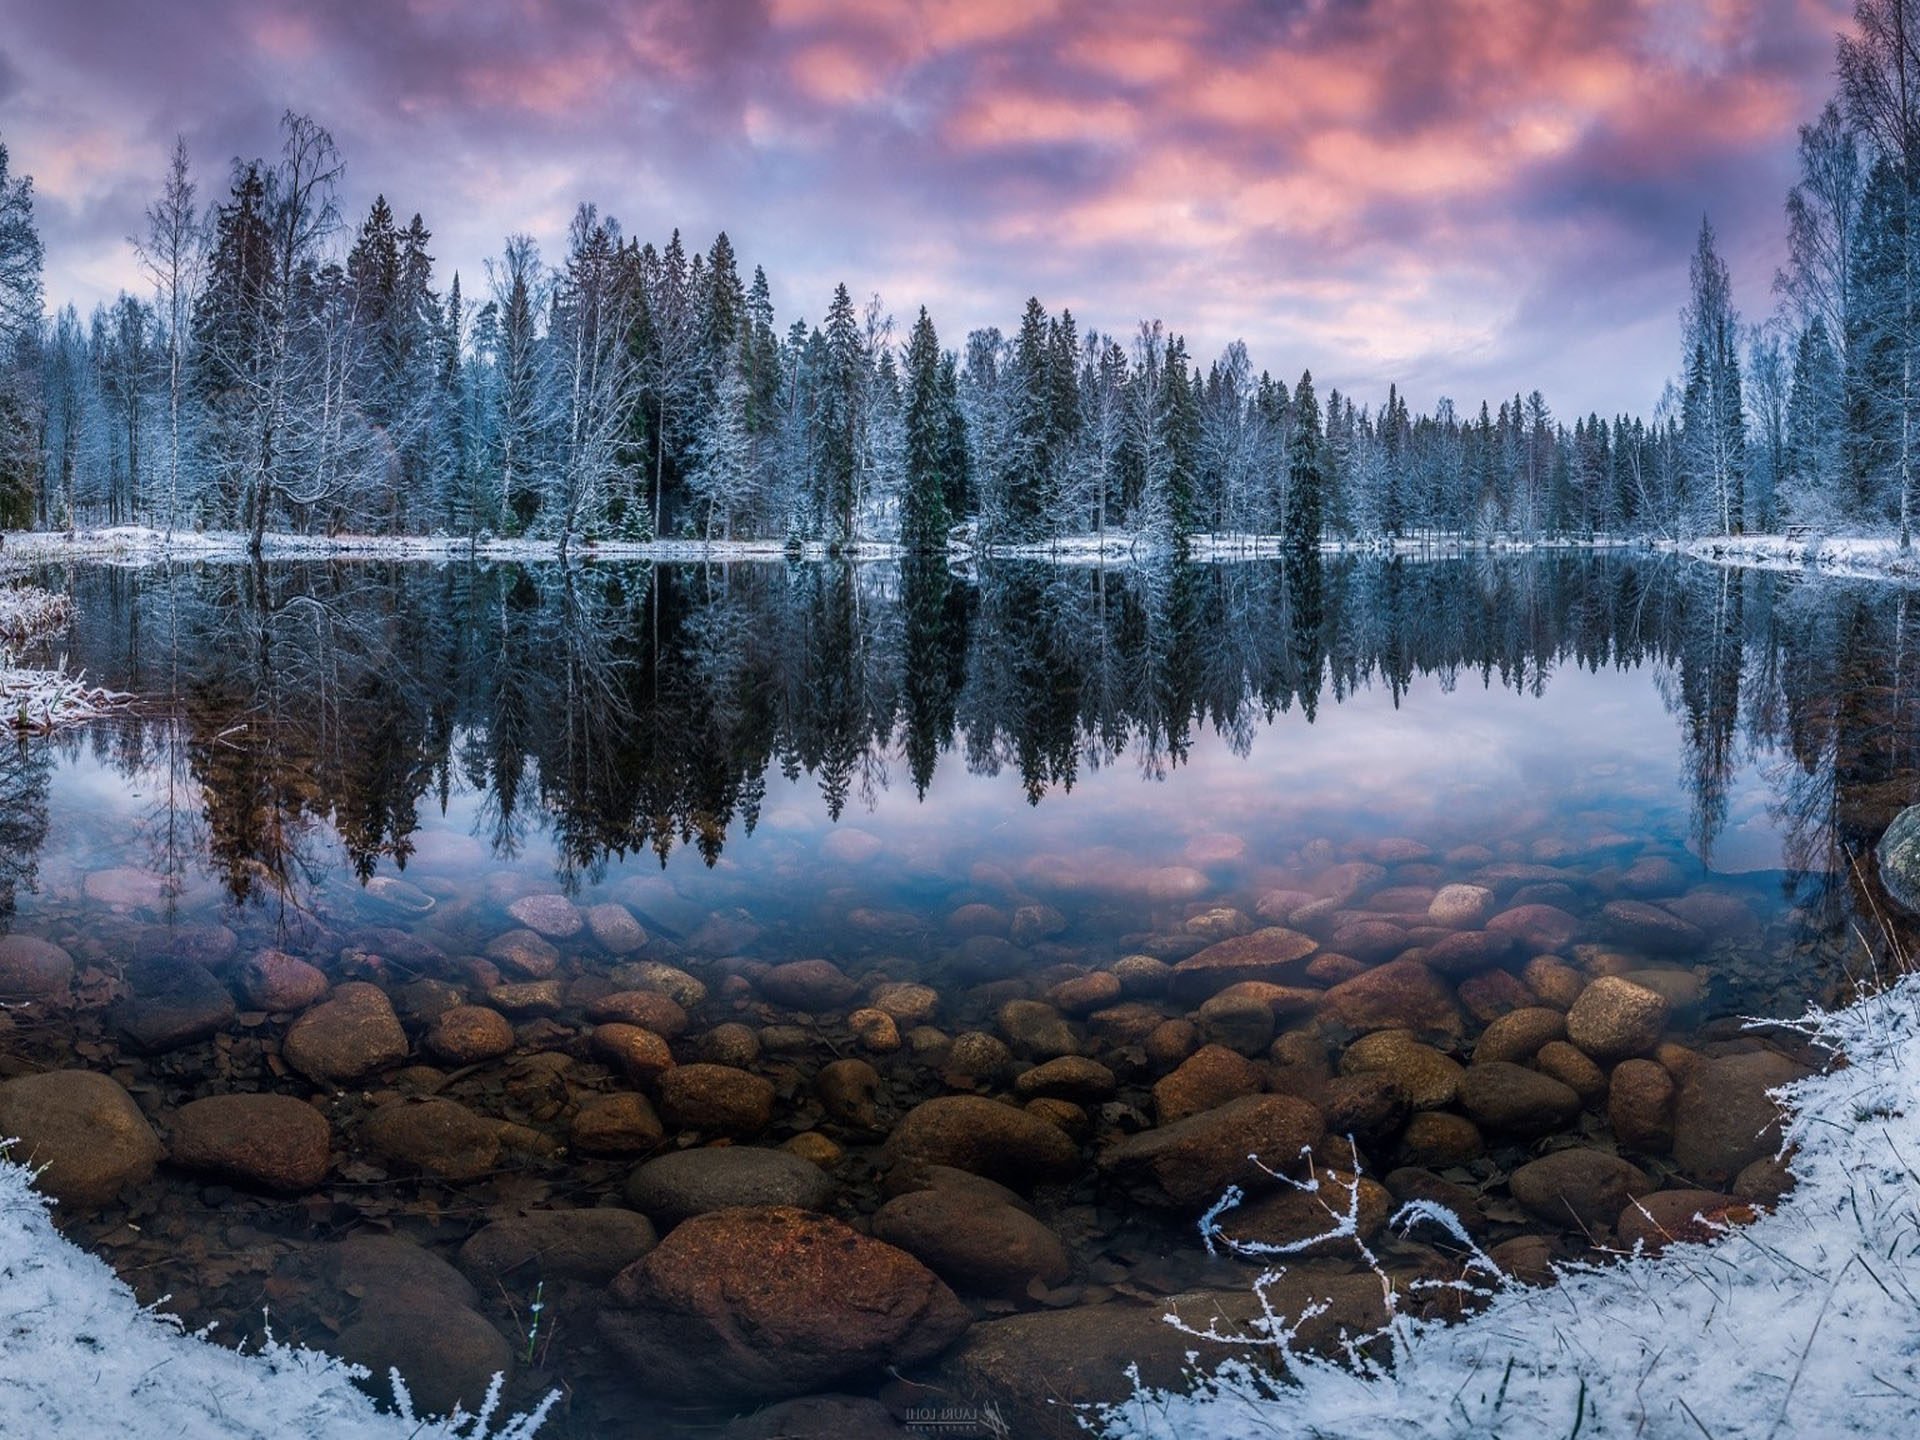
(768, 763)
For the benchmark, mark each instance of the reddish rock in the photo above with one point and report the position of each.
(1272, 954)
(759, 1302)
(271, 1141)
(1400, 995)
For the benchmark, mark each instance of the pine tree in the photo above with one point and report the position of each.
(924, 517)
(837, 421)
(1305, 478)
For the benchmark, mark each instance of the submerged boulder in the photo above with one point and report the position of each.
(767, 1301)
(81, 1131)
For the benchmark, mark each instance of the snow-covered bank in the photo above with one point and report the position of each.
(80, 1359)
(1800, 1324)
(1856, 557)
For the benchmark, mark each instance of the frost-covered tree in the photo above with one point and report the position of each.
(173, 255)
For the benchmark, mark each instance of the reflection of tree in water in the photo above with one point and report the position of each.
(629, 709)
(25, 779)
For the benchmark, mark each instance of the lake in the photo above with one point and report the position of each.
(611, 864)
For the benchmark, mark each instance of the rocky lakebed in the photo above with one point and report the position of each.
(958, 1166)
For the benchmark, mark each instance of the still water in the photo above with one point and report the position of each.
(532, 791)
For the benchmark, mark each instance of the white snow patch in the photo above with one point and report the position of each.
(1804, 1323)
(81, 1359)
(1859, 557)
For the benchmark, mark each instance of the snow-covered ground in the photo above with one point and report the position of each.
(1805, 1323)
(1847, 556)
(80, 1359)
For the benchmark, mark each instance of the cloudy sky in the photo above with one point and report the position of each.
(1471, 197)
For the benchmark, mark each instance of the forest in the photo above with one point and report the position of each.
(295, 369)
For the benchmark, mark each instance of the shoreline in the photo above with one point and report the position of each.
(139, 545)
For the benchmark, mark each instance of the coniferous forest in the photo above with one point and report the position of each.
(293, 368)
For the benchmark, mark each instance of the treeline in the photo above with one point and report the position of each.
(294, 369)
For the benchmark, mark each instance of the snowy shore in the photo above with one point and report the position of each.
(1798, 1324)
(80, 1359)
(1852, 557)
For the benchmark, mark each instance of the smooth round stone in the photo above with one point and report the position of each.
(1461, 907)
(1036, 1030)
(33, 969)
(770, 1301)
(716, 1099)
(615, 927)
(273, 1142)
(1573, 1068)
(1725, 1117)
(1614, 1018)
(397, 894)
(1640, 1106)
(1438, 1139)
(469, 1034)
(81, 1131)
(674, 1187)
(447, 1354)
(552, 917)
(908, 1003)
(524, 952)
(1650, 928)
(1427, 1077)
(670, 980)
(348, 1036)
(1518, 1035)
(648, 1009)
(1070, 1077)
(730, 1043)
(1578, 1189)
(979, 1249)
(640, 1055)
(986, 1137)
(1191, 1163)
(618, 1124)
(173, 1003)
(1500, 1095)
(277, 982)
(1209, 1077)
(808, 985)
(1400, 995)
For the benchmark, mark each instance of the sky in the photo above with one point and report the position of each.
(1471, 198)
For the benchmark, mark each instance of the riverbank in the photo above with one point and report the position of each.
(1850, 557)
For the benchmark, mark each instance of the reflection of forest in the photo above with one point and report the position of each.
(629, 709)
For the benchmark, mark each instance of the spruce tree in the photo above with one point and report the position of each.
(1306, 480)
(923, 503)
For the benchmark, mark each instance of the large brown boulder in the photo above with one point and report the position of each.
(33, 969)
(695, 1182)
(977, 1247)
(1191, 1162)
(1615, 1018)
(1502, 1096)
(1724, 1119)
(768, 1301)
(1578, 1189)
(1400, 995)
(348, 1036)
(81, 1131)
(970, 1132)
(271, 1141)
